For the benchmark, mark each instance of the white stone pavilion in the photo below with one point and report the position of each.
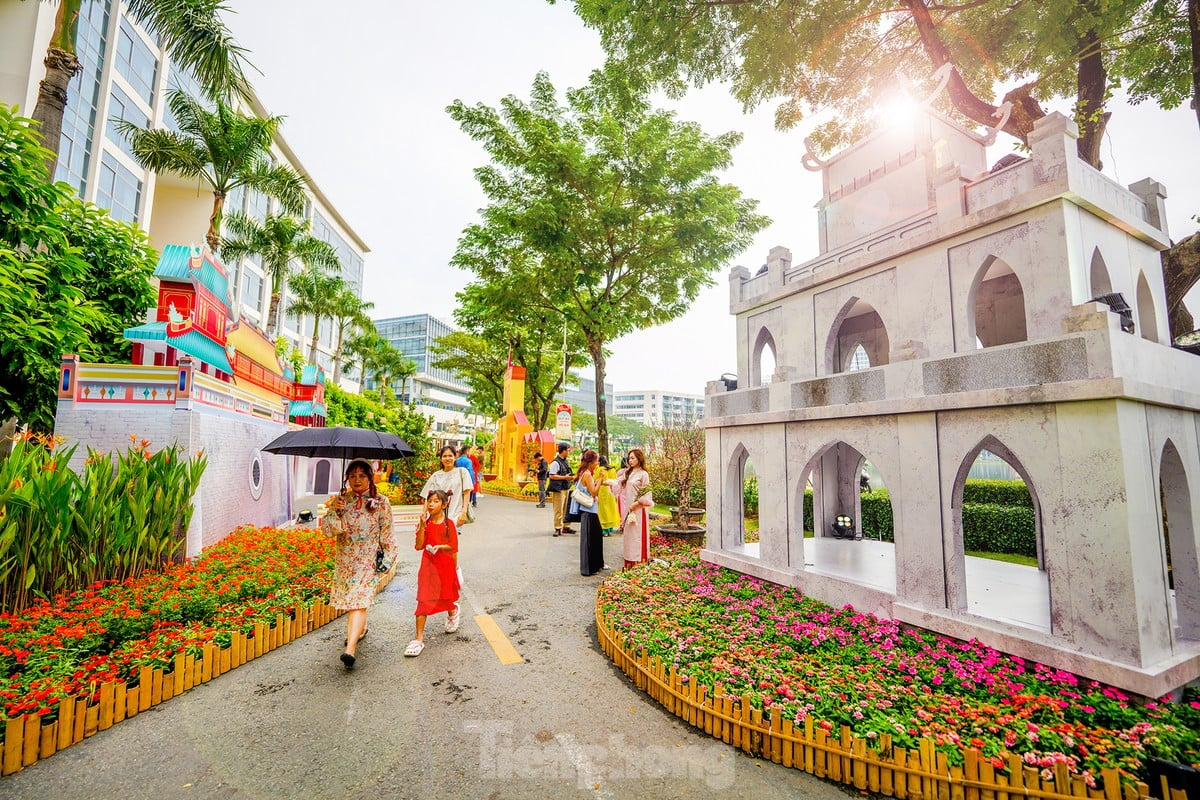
(970, 292)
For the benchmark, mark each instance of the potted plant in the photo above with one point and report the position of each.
(677, 463)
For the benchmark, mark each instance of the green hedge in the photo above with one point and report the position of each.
(1000, 493)
(987, 527)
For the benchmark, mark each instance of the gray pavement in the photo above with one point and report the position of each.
(454, 722)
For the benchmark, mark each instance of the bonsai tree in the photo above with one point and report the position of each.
(677, 453)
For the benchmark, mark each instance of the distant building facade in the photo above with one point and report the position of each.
(439, 393)
(583, 396)
(657, 407)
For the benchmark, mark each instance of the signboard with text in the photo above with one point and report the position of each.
(562, 422)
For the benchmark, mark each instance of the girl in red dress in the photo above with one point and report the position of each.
(437, 577)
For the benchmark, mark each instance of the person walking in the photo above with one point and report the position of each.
(560, 477)
(634, 501)
(542, 471)
(437, 577)
(360, 521)
(465, 461)
(454, 481)
(591, 538)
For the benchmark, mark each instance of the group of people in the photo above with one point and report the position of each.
(359, 519)
(602, 501)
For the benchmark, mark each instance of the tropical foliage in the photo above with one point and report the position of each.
(55, 252)
(68, 646)
(360, 412)
(314, 293)
(221, 149)
(61, 531)
(605, 212)
(794, 656)
(279, 240)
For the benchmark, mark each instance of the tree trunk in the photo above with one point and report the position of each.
(1181, 271)
(1092, 86)
(213, 237)
(337, 356)
(1026, 111)
(61, 66)
(273, 314)
(312, 347)
(595, 348)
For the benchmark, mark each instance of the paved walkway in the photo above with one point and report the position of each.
(456, 722)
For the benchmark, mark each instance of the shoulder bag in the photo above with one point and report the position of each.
(580, 495)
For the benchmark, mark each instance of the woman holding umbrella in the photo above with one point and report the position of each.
(360, 520)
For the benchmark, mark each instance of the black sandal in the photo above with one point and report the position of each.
(348, 660)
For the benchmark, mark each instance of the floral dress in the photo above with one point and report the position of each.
(364, 527)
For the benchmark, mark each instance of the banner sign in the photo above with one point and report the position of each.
(562, 423)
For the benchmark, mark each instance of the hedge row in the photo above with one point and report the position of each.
(996, 492)
(987, 527)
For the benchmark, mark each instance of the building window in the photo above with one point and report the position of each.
(136, 62)
(255, 476)
(118, 190)
(252, 289)
(257, 205)
(122, 108)
(79, 117)
(180, 81)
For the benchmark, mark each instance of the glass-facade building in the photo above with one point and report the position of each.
(435, 387)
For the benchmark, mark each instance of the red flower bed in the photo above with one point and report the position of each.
(70, 646)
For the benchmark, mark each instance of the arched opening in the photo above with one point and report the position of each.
(857, 327)
(762, 359)
(749, 497)
(321, 478)
(850, 519)
(733, 535)
(1180, 565)
(1098, 280)
(997, 306)
(859, 359)
(1147, 322)
(998, 531)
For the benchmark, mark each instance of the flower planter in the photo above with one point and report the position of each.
(693, 534)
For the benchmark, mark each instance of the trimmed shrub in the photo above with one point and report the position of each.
(994, 492)
(999, 529)
(750, 496)
(877, 521)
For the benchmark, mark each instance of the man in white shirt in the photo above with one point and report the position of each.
(560, 487)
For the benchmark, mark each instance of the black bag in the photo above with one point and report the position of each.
(381, 564)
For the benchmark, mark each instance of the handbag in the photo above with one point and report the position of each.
(470, 514)
(381, 564)
(580, 495)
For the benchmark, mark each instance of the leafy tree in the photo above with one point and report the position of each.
(348, 311)
(278, 240)
(191, 31)
(619, 427)
(222, 149)
(360, 350)
(314, 293)
(844, 56)
(605, 211)
(55, 251)
(499, 327)
(359, 412)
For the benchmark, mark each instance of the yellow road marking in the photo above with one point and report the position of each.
(499, 642)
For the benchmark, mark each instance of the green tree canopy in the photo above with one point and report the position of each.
(605, 211)
(71, 278)
(845, 57)
(316, 292)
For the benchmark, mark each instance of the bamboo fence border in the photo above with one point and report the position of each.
(27, 740)
(918, 774)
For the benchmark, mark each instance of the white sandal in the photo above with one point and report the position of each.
(453, 620)
(414, 648)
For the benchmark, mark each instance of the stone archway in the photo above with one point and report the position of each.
(1180, 564)
(1099, 282)
(994, 587)
(763, 358)
(996, 305)
(857, 325)
(1147, 317)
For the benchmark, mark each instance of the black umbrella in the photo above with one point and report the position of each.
(344, 443)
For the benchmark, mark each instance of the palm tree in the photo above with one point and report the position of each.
(220, 148)
(348, 310)
(406, 370)
(314, 292)
(278, 240)
(388, 363)
(361, 349)
(191, 31)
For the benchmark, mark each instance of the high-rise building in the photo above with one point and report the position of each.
(125, 75)
(438, 392)
(583, 396)
(657, 407)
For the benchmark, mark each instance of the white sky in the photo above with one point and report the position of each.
(364, 86)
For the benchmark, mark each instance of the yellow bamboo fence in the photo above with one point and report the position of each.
(27, 739)
(880, 767)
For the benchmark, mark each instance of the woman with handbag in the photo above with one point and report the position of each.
(591, 541)
(437, 577)
(455, 482)
(360, 521)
